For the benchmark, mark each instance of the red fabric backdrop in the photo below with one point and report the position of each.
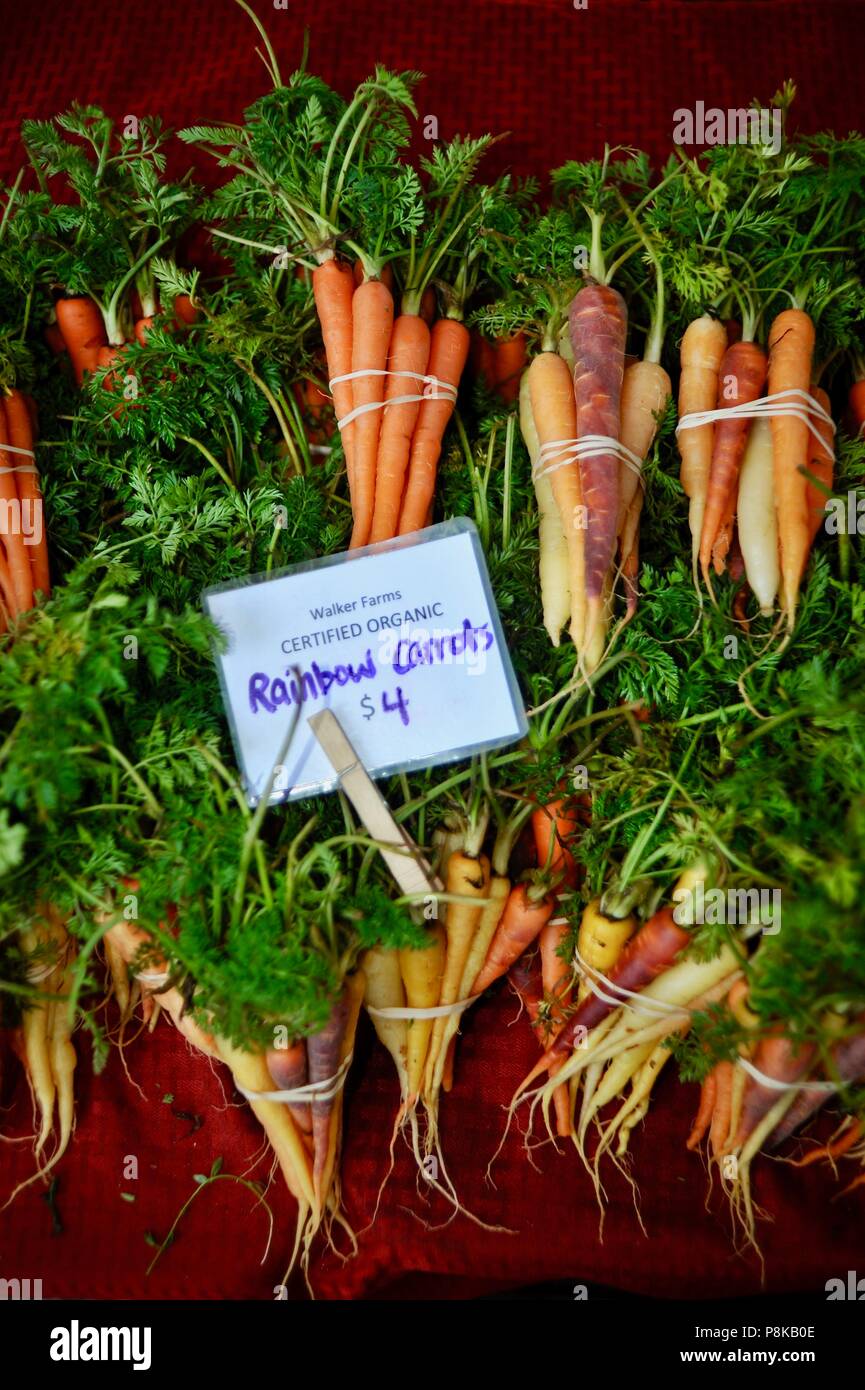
(562, 81)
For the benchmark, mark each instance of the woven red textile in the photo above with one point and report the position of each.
(562, 82)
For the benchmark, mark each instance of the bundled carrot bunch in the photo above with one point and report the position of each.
(758, 480)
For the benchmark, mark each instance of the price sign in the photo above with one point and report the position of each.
(401, 640)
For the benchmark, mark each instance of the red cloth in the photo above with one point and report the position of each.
(562, 81)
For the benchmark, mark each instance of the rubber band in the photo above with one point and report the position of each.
(434, 390)
(314, 1091)
(657, 1007)
(19, 467)
(773, 1084)
(559, 453)
(16, 449)
(439, 1011)
(767, 407)
(156, 979)
(40, 972)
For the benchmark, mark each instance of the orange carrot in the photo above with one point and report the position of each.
(708, 1092)
(509, 359)
(791, 348)
(521, 923)
(83, 329)
(703, 346)
(10, 525)
(372, 320)
(409, 353)
(553, 826)
(835, 1149)
(741, 378)
(856, 406)
(185, 312)
(449, 346)
(556, 976)
(428, 306)
(554, 412)
(332, 287)
(719, 1132)
(821, 466)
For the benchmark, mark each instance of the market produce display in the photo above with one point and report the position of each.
(653, 438)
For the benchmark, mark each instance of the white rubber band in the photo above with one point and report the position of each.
(302, 1095)
(773, 1084)
(434, 390)
(40, 972)
(15, 449)
(559, 453)
(440, 1010)
(18, 468)
(656, 1007)
(767, 407)
(148, 978)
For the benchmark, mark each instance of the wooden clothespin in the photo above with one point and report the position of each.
(400, 853)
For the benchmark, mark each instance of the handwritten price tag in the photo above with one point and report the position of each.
(401, 640)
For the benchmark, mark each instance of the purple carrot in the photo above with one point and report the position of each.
(323, 1050)
(849, 1064)
(287, 1066)
(598, 321)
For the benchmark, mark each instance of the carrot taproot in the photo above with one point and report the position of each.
(719, 1130)
(467, 877)
(703, 346)
(856, 406)
(791, 349)
(741, 378)
(703, 1119)
(646, 390)
(553, 827)
(353, 993)
(834, 1149)
(323, 1056)
(422, 969)
(21, 437)
(779, 1060)
(17, 559)
(384, 989)
(521, 922)
(757, 522)
(553, 562)
(497, 891)
(358, 276)
(333, 287)
(251, 1075)
(372, 322)
(598, 321)
(630, 552)
(428, 306)
(556, 980)
(600, 941)
(551, 394)
(408, 359)
(185, 312)
(289, 1069)
(821, 465)
(83, 328)
(449, 347)
(509, 360)
(648, 954)
(141, 328)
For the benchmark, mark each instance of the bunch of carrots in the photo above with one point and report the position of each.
(304, 1132)
(24, 575)
(81, 331)
(581, 390)
(760, 481)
